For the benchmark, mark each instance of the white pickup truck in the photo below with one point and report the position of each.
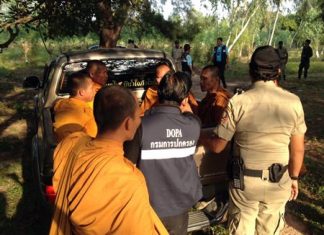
(134, 69)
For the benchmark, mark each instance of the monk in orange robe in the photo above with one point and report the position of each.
(100, 191)
(98, 72)
(62, 150)
(73, 114)
(151, 95)
(211, 108)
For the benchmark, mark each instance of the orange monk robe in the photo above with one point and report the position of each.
(151, 98)
(61, 153)
(101, 192)
(211, 108)
(96, 87)
(193, 103)
(72, 115)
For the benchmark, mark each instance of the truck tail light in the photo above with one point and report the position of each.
(50, 194)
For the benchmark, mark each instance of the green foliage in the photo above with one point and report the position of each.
(150, 21)
(288, 22)
(203, 44)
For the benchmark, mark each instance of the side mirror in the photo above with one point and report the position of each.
(31, 82)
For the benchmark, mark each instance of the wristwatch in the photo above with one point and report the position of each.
(294, 177)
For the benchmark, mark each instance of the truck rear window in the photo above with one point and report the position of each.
(136, 73)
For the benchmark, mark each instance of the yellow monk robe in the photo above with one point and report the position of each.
(72, 115)
(101, 192)
(61, 153)
(151, 98)
(96, 87)
(211, 108)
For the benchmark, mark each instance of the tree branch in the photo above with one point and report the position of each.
(10, 25)
(243, 29)
(23, 20)
(12, 37)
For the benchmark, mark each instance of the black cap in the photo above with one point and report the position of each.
(265, 63)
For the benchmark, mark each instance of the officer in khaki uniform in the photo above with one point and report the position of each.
(268, 126)
(283, 54)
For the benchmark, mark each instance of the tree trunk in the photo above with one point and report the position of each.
(229, 38)
(243, 29)
(274, 25)
(251, 49)
(109, 37)
(111, 22)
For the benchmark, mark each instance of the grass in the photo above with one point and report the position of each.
(19, 213)
(310, 205)
(11, 186)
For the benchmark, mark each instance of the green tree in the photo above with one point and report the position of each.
(77, 17)
(308, 16)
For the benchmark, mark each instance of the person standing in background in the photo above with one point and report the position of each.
(283, 54)
(186, 60)
(307, 53)
(131, 44)
(176, 55)
(220, 59)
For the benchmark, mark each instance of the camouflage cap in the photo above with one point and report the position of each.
(265, 63)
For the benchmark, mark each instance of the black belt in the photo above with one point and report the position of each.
(253, 173)
(259, 173)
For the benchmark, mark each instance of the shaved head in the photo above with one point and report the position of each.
(209, 79)
(112, 105)
(98, 72)
(78, 80)
(161, 70)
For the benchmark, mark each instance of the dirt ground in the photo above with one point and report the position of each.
(16, 120)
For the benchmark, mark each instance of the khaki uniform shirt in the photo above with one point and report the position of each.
(176, 54)
(263, 120)
(283, 54)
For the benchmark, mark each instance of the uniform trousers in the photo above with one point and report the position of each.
(259, 208)
(304, 64)
(221, 70)
(283, 70)
(178, 65)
